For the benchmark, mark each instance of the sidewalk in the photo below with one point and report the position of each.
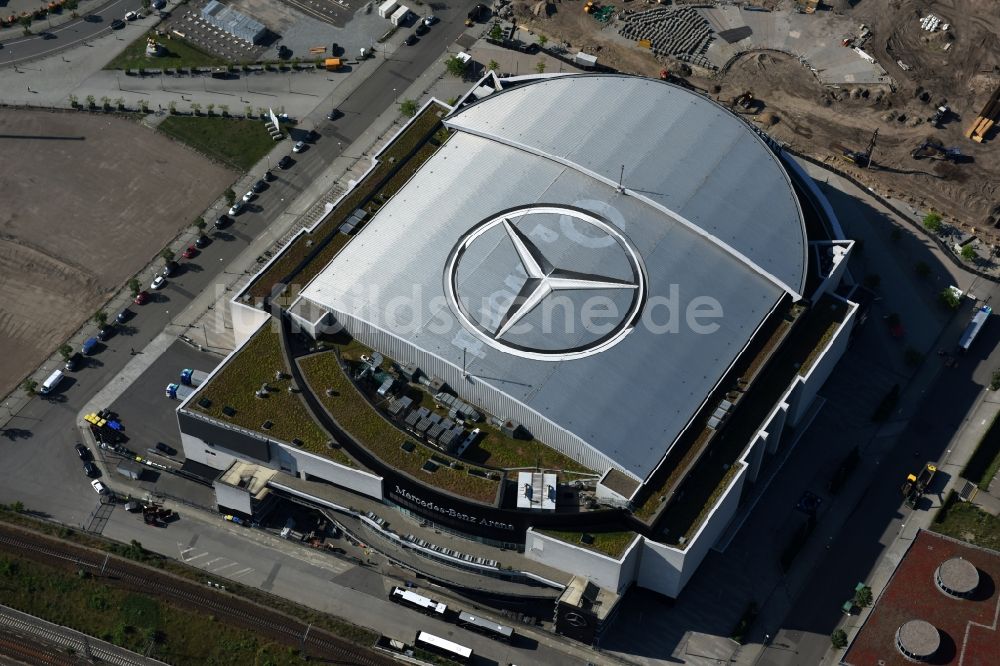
(961, 449)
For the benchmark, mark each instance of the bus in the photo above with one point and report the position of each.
(976, 325)
(445, 648)
(492, 629)
(418, 602)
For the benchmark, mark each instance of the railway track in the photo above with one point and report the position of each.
(25, 651)
(318, 643)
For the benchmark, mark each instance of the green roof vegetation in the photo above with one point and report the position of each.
(683, 514)
(495, 449)
(236, 142)
(357, 416)
(612, 544)
(382, 182)
(966, 521)
(235, 386)
(179, 53)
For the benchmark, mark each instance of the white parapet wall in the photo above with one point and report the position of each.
(667, 569)
(603, 570)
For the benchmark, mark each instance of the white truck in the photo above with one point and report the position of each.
(190, 379)
(400, 15)
(386, 9)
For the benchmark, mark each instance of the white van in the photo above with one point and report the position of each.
(52, 382)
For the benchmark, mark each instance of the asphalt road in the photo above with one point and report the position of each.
(47, 41)
(41, 470)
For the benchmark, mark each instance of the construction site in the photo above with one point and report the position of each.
(904, 95)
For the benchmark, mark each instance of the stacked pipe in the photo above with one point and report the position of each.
(986, 119)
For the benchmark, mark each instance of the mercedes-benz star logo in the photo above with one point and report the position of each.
(541, 278)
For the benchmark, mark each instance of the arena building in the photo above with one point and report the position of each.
(613, 270)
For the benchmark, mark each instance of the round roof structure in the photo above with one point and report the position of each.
(918, 639)
(677, 151)
(957, 577)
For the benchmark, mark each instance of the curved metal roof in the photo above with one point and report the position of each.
(682, 154)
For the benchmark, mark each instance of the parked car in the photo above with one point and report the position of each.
(430, 20)
(117, 24)
(106, 332)
(237, 208)
(89, 346)
(268, 176)
(249, 196)
(82, 451)
(132, 16)
(299, 146)
(334, 114)
(123, 316)
(141, 298)
(90, 469)
(99, 487)
(202, 242)
(285, 162)
(189, 252)
(158, 283)
(170, 269)
(74, 362)
(222, 221)
(259, 187)
(411, 39)
(421, 30)
(159, 4)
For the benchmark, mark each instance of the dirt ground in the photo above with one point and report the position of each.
(815, 119)
(87, 201)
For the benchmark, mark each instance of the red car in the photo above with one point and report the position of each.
(142, 298)
(189, 252)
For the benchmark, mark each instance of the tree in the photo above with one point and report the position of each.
(167, 254)
(540, 67)
(949, 299)
(65, 351)
(172, 107)
(29, 386)
(995, 381)
(496, 32)
(230, 197)
(456, 66)
(932, 222)
(542, 40)
(196, 108)
(101, 318)
(134, 287)
(493, 66)
(969, 253)
(199, 224)
(71, 4)
(145, 4)
(408, 107)
(224, 110)
(209, 108)
(25, 21)
(838, 639)
(90, 101)
(105, 102)
(74, 101)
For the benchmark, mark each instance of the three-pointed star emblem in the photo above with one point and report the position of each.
(543, 279)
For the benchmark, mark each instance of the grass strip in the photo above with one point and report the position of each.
(179, 53)
(237, 142)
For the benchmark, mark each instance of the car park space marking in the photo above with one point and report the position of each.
(241, 572)
(195, 557)
(224, 566)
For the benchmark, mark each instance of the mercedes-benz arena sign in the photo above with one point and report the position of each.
(546, 282)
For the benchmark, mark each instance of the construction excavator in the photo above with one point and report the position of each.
(935, 150)
(862, 159)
